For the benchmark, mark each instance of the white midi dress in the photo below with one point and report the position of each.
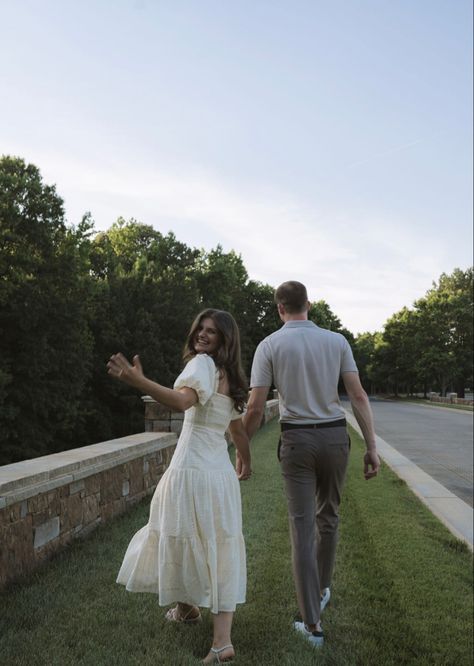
(192, 549)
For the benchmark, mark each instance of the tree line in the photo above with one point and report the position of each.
(71, 296)
(428, 347)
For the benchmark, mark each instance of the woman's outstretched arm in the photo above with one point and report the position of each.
(132, 374)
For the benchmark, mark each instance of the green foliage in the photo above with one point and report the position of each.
(429, 347)
(70, 297)
(45, 345)
(323, 316)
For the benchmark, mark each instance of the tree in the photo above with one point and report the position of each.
(364, 353)
(45, 346)
(446, 331)
(323, 316)
(429, 346)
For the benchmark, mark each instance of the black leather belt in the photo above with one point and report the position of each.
(341, 423)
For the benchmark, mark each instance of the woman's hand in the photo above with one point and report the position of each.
(119, 368)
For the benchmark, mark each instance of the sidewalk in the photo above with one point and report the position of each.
(455, 514)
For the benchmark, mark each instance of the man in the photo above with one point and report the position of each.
(305, 363)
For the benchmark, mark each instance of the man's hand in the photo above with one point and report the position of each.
(371, 464)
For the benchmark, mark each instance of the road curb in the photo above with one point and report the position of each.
(455, 514)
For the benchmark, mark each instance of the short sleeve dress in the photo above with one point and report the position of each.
(192, 549)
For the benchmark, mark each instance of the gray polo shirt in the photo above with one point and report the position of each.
(305, 363)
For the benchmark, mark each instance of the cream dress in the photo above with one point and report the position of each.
(192, 549)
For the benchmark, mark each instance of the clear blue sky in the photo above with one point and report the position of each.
(328, 141)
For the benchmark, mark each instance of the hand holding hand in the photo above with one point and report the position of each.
(243, 469)
(238, 463)
(119, 368)
(371, 464)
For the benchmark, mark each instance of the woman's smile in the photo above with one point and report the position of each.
(207, 337)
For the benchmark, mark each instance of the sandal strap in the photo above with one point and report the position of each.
(175, 616)
(186, 616)
(219, 650)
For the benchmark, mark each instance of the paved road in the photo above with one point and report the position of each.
(437, 439)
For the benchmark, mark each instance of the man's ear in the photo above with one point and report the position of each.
(281, 309)
(308, 306)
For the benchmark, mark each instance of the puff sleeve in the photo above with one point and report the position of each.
(200, 375)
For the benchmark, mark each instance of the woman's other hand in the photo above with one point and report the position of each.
(242, 469)
(244, 472)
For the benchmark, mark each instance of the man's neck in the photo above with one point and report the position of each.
(301, 316)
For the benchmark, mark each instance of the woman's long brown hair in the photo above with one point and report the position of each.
(227, 355)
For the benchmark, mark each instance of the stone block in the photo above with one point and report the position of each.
(4, 518)
(66, 537)
(111, 484)
(48, 550)
(92, 484)
(90, 509)
(76, 487)
(53, 502)
(154, 410)
(40, 517)
(119, 506)
(146, 467)
(161, 425)
(176, 425)
(38, 503)
(14, 512)
(46, 532)
(23, 509)
(107, 512)
(71, 512)
(64, 491)
(87, 529)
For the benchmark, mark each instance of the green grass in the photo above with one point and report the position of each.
(402, 591)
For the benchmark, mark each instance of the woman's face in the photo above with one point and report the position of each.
(207, 337)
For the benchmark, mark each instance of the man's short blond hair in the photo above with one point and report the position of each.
(293, 296)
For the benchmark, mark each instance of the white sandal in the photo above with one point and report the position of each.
(216, 652)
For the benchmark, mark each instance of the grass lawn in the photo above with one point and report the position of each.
(402, 591)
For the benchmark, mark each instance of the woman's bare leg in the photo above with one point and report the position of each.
(222, 628)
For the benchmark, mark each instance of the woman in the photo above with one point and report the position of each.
(192, 551)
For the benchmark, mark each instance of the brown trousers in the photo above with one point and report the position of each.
(313, 463)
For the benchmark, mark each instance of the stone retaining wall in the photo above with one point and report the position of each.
(47, 502)
(451, 399)
(159, 418)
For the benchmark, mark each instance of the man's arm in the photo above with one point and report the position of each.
(363, 413)
(255, 409)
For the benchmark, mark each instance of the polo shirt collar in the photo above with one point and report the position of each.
(297, 323)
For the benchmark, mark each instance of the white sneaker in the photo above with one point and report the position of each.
(316, 638)
(325, 596)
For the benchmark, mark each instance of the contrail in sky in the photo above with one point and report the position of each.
(385, 152)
